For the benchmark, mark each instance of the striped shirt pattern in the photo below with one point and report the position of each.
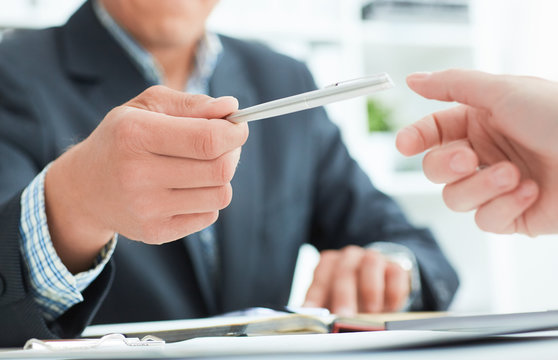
(54, 288)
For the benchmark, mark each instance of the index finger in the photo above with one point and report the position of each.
(477, 90)
(193, 138)
(469, 87)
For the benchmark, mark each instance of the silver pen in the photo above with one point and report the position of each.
(332, 93)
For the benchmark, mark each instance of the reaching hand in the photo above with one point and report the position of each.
(496, 153)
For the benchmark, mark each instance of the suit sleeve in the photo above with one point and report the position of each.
(348, 209)
(21, 317)
(24, 151)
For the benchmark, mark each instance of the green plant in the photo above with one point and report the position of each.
(379, 117)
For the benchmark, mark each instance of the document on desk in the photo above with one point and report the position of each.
(268, 322)
(245, 346)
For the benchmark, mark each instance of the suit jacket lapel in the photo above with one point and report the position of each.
(97, 64)
(239, 221)
(110, 78)
(194, 248)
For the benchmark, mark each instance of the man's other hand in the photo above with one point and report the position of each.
(357, 280)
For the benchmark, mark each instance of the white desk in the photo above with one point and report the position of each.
(375, 345)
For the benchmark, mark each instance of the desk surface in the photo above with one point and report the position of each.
(376, 345)
(540, 349)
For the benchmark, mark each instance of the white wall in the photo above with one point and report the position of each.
(519, 37)
(35, 13)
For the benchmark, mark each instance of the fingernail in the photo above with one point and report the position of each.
(502, 177)
(422, 75)
(223, 99)
(459, 163)
(527, 190)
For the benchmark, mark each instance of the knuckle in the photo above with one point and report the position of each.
(209, 143)
(126, 131)
(350, 250)
(372, 257)
(130, 134)
(188, 103)
(148, 98)
(191, 102)
(152, 91)
(327, 258)
(350, 259)
(506, 170)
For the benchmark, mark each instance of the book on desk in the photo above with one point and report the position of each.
(275, 323)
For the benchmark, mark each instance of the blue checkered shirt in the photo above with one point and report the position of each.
(54, 288)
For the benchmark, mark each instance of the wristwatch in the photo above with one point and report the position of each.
(402, 256)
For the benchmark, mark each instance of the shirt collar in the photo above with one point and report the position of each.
(207, 56)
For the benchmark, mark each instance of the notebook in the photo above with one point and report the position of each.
(274, 323)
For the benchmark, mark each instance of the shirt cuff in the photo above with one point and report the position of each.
(53, 286)
(405, 258)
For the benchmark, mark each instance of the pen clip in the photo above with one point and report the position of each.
(382, 78)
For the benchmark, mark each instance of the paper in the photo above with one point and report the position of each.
(173, 331)
(271, 323)
(107, 341)
(260, 345)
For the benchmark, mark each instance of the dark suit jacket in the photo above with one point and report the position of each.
(295, 184)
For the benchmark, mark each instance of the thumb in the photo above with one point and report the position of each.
(161, 99)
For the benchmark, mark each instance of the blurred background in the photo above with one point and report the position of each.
(345, 39)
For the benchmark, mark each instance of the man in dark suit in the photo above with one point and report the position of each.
(156, 170)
